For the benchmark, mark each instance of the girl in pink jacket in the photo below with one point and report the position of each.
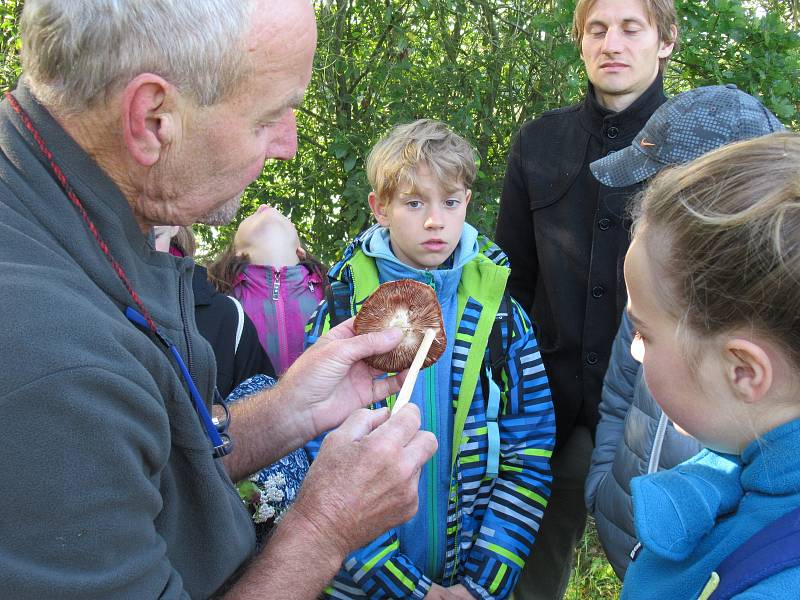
(278, 283)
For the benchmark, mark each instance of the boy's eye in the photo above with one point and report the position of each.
(413, 203)
(452, 202)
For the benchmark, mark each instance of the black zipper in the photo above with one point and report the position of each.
(185, 324)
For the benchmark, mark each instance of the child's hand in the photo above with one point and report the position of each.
(456, 592)
(460, 592)
(437, 592)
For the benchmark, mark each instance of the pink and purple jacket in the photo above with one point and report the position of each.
(279, 302)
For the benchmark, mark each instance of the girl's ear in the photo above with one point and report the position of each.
(748, 369)
(379, 210)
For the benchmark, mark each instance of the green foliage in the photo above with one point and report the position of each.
(384, 63)
(592, 577)
(9, 44)
(482, 66)
(724, 42)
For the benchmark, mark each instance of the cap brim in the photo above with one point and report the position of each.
(625, 167)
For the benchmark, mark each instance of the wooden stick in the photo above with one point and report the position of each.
(408, 385)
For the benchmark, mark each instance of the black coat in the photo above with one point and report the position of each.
(217, 319)
(566, 236)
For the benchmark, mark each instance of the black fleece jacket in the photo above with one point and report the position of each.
(217, 320)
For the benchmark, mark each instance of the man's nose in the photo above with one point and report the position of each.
(612, 41)
(283, 144)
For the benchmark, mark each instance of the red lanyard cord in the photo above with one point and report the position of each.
(73, 197)
(219, 439)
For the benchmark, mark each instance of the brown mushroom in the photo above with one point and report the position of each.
(413, 307)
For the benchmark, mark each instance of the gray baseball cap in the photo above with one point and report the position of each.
(683, 128)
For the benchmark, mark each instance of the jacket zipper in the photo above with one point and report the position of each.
(433, 473)
(283, 345)
(658, 442)
(185, 325)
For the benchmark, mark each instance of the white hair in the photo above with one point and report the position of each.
(76, 53)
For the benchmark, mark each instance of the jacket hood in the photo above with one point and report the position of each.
(675, 509)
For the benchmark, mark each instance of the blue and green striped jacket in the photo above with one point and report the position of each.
(492, 521)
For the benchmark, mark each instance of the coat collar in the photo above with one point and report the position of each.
(596, 119)
(675, 509)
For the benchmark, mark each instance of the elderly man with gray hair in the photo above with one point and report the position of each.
(117, 482)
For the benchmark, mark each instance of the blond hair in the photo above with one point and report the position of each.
(723, 237)
(660, 13)
(184, 240)
(394, 160)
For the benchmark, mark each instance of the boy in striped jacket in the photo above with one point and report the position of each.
(482, 496)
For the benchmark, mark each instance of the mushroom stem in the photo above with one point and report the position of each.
(413, 371)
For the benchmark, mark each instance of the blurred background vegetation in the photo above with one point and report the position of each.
(484, 67)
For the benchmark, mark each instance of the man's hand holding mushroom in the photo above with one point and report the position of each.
(317, 393)
(335, 379)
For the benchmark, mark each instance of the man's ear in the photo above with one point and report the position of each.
(379, 210)
(748, 369)
(148, 123)
(667, 47)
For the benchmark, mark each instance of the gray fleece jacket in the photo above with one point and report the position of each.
(109, 486)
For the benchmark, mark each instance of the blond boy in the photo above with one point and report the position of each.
(483, 494)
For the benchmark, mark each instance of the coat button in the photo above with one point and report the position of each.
(604, 224)
(612, 132)
(598, 291)
(591, 358)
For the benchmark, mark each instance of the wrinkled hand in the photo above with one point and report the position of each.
(330, 380)
(365, 479)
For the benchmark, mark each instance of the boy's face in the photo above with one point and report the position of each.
(424, 224)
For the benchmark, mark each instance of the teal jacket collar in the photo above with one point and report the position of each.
(675, 509)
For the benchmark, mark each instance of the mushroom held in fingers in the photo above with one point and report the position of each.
(413, 307)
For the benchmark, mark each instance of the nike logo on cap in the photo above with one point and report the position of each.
(645, 143)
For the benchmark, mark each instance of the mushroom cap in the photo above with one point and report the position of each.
(413, 307)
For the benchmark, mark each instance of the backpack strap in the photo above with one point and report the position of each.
(345, 299)
(492, 381)
(338, 297)
(772, 549)
(483, 281)
(500, 339)
(239, 323)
